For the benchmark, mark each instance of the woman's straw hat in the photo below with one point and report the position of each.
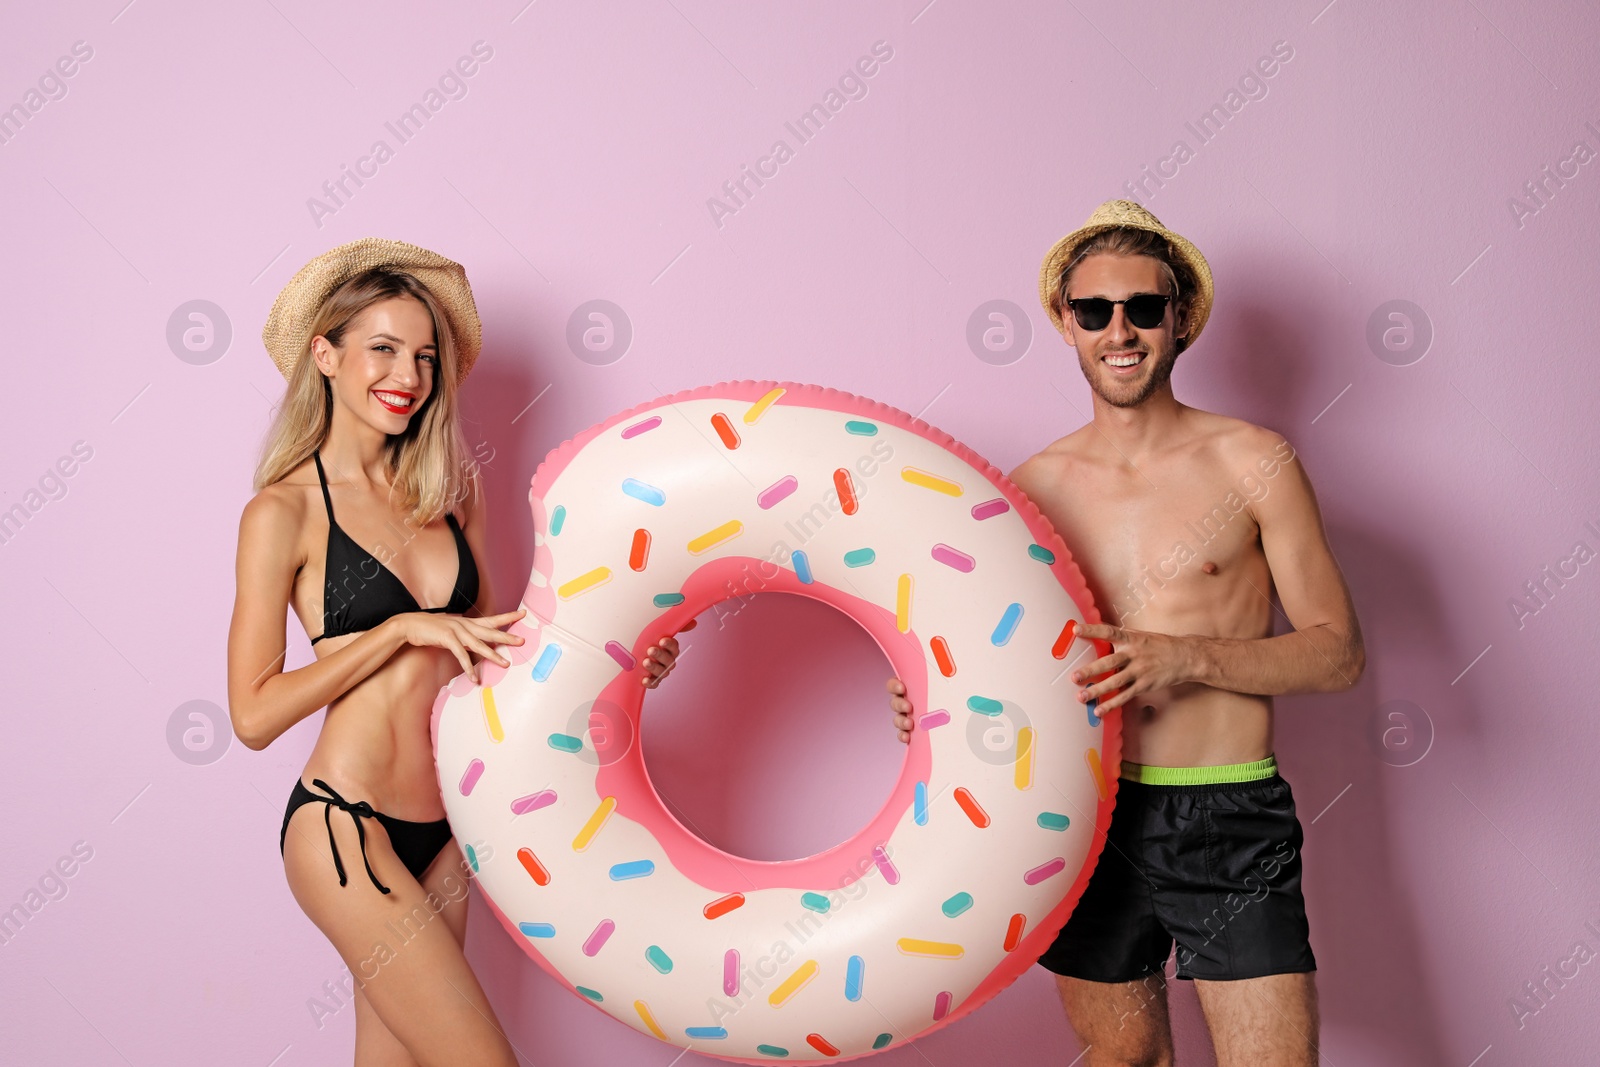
(287, 333)
(1115, 213)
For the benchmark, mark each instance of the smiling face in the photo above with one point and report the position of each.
(1152, 352)
(388, 365)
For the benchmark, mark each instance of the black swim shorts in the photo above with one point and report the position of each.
(1215, 867)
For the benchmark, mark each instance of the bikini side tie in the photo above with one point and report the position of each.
(358, 811)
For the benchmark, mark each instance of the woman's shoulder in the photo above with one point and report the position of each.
(278, 510)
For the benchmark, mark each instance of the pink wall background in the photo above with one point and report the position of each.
(1380, 162)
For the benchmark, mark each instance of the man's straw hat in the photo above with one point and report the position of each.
(1115, 213)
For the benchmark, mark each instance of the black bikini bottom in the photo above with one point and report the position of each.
(416, 843)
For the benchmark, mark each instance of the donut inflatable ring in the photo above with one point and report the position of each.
(970, 869)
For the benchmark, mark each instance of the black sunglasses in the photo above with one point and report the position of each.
(1145, 310)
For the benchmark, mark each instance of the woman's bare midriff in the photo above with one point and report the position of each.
(375, 743)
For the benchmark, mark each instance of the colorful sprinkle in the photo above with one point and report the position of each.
(667, 600)
(930, 481)
(861, 429)
(642, 426)
(706, 1033)
(1007, 625)
(970, 805)
(859, 557)
(730, 972)
(1089, 706)
(815, 902)
(1014, 931)
(602, 812)
(621, 872)
(793, 984)
(776, 491)
(846, 489)
(557, 518)
(644, 491)
(472, 858)
(595, 941)
(822, 1044)
(470, 778)
(902, 603)
(537, 929)
(881, 1041)
(1045, 870)
(944, 950)
(775, 1051)
(1041, 553)
(590, 993)
(491, 717)
(802, 566)
(533, 802)
(623, 657)
(941, 1005)
(584, 582)
(760, 407)
(941, 656)
(990, 508)
(546, 662)
(530, 863)
(711, 538)
(639, 552)
(722, 905)
(934, 718)
(952, 557)
(658, 959)
(1024, 766)
(1053, 820)
(1097, 772)
(725, 430)
(880, 856)
(919, 804)
(1064, 641)
(649, 1020)
(957, 904)
(985, 705)
(854, 972)
(566, 743)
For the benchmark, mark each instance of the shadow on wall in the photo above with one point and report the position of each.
(1358, 898)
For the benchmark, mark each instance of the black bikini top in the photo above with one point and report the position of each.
(360, 592)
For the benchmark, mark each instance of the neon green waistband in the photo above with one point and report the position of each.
(1228, 772)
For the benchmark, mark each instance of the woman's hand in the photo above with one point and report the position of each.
(901, 708)
(461, 635)
(659, 661)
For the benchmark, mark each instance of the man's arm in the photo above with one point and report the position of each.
(1324, 653)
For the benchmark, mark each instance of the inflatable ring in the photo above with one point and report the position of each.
(950, 892)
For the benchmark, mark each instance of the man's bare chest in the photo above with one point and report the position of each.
(1165, 544)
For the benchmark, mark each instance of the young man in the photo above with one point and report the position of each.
(1184, 522)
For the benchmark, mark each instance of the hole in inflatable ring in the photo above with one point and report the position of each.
(772, 739)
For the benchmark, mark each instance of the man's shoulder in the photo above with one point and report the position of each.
(1238, 440)
(1055, 456)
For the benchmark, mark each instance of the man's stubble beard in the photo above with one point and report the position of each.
(1158, 375)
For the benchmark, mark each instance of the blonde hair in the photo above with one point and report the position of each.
(1182, 284)
(427, 465)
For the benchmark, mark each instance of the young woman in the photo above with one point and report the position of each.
(375, 337)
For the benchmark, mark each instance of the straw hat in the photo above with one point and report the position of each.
(287, 333)
(1115, 213)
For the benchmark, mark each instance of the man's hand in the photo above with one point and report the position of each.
(659, 661)
(901, 708)
(1140, 661)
